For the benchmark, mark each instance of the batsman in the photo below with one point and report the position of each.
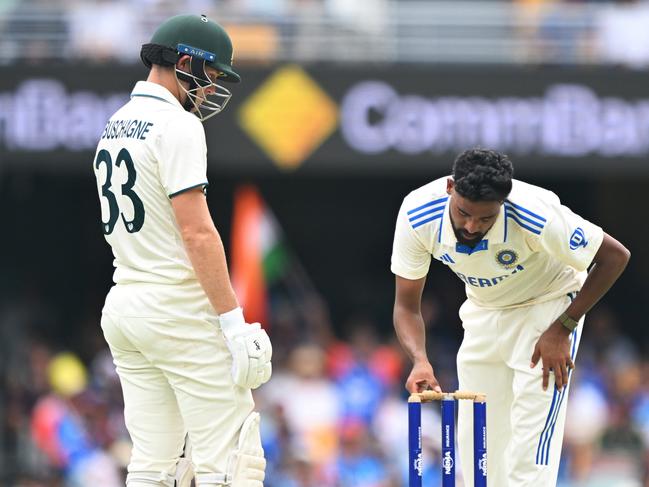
(523, 258)
(186, 358)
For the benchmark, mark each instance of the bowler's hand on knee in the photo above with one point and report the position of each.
(553, 348)
(250, 348)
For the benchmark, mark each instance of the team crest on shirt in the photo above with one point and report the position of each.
(507, 258)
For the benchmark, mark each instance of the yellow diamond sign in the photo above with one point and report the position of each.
(289, 116)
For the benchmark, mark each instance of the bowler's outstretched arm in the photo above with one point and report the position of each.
(411, 332)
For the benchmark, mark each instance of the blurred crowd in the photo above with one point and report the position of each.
(528, 31)
(333, 415)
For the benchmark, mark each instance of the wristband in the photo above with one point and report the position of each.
(232, 318)
(568, 322)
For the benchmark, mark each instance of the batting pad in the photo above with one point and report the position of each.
(247, 464)
(184, 473)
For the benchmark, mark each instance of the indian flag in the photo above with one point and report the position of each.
(258, 255)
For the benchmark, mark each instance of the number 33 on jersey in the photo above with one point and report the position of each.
(150, 151)
(124, 160)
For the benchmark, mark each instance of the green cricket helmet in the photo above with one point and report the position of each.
(207, 44)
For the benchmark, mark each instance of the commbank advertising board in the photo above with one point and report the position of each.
(332, 119)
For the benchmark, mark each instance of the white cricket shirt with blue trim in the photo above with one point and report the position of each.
(536, 250)
(167, 151)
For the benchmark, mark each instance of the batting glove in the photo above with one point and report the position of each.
(250, 348)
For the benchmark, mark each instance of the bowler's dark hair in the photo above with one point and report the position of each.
(483, 175)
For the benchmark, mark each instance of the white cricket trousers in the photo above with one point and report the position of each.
(524, 423)
(176, 380)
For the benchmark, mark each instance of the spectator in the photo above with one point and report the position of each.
(59, 430)
(309, 402)
(358, 464)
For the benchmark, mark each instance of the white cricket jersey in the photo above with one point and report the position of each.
(536, 250)
(151, 149)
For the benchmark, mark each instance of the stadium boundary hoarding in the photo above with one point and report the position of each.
(329, 119)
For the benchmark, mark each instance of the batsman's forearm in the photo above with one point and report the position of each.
(411, 333)
(206, 253)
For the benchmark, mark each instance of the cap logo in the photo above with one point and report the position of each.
(203, 19)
